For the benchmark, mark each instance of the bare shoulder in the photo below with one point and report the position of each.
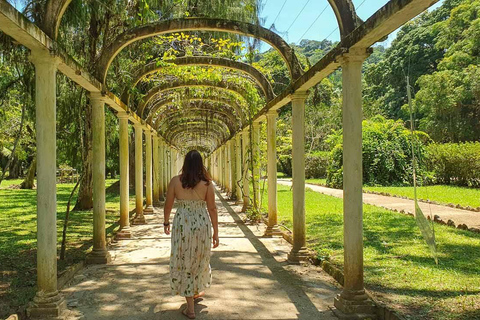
(175, 180)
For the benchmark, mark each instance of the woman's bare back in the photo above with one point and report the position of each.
(199, 192)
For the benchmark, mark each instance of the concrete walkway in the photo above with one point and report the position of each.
(251, 279)
(469, 218)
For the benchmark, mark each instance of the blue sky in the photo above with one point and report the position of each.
(323, 28)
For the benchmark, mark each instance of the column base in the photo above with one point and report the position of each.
(99, 257)
(148, 209)
(298, 255)
(47, 305)
(273, 231)
(139, 219)
(354, 305)
(124, 233)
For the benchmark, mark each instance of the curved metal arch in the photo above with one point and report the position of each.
(218, 120)
(182, 138)
(201, 24)
(165, 103)
(193, 111)
(159, 104)
(211, 139)
(152, 67)
(190, 83)
(199, 128)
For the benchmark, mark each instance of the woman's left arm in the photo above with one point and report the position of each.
(167, 208)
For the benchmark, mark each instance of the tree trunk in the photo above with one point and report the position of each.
(28, 182)
(85, 192)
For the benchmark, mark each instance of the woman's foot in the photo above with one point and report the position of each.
(201, 294)
(189, 315)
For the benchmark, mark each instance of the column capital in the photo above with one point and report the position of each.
(256, 124)
(44, 57)
(138, 125)
(98, 96)
(123, 115)
(299, 95)
(355, 55)
(272, 113)
(148, 132)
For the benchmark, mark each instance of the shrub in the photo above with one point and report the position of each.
(316, 165)
(387, 153)
(285, 164)
(455, 163)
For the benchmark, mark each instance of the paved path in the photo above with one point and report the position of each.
(470, 218)
(251, 279)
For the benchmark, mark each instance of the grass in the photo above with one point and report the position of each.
(440, 193)
(398, 267)
(443, 194)
(18, 239)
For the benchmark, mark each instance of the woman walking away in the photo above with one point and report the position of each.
(190, 271)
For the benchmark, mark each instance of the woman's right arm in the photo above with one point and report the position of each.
(212, 211)
(167, 208)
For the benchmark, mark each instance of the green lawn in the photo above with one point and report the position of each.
(18, 239)
(440, 193)
(398, 267)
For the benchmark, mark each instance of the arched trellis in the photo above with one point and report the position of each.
(217, 119)
(167, 86)
(197, 24)
(155, 106)
(211, 139)
(206, 112)
(220, 129)
(200, 105)
(152, 67)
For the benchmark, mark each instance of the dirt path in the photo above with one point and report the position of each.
(469, 218)
(251, 279)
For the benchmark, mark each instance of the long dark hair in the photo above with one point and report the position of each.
(193, 170)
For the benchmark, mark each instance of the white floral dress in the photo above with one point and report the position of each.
(190, 271)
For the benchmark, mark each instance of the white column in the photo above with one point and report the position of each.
(47, 302)
(99, 254)
(228, 162)
(238, 167)
(256, 163)
(353, 300)
(148, 173)
(232, 169)
(161, 169)
(139, 217)
(299, 251)
(272, 228)
(124, 232)
(245, 170)
(156, 171)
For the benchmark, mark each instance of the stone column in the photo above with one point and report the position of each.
(161, 177)
(99, 254)
(245, 170)
(232, 169)
(220, 167)
(166, 179)
(228, 163)
(124, 232)
(156, 171)
(148, 173)
(47, 302)
(238, 167)
(256, 163)
(272, 228)
(299, 251)
(353, 301)
(139, 218)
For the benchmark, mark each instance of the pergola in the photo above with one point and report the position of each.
(224, 140)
